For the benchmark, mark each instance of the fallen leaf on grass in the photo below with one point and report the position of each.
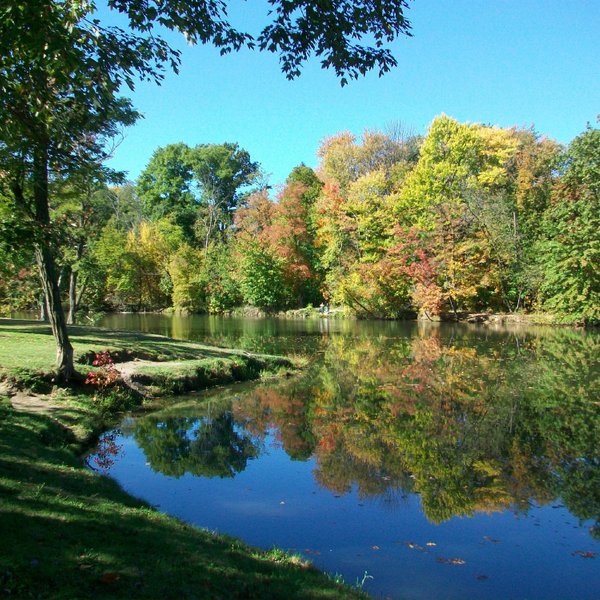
(109, 578)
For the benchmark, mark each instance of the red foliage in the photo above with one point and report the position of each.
(103, 359)
(409, 257)
(105, 376)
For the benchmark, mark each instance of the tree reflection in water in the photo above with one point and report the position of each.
(470, 422)
(209, 446)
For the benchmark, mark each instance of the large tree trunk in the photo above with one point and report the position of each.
(47, 267)
(56, 316)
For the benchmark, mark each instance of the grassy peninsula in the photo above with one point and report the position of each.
(69, 533)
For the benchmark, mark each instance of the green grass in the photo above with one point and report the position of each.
(68, 533)
(182, 377)
(27, 355)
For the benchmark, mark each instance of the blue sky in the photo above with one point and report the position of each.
(501, 62)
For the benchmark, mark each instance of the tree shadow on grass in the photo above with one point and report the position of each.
(68, 533)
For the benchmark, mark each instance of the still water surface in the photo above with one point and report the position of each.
(445, 461)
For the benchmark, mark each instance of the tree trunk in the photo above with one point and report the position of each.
(47, 267)
(72, 298)
(43, 307)
(64, 351)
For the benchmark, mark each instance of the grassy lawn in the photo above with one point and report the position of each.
(29, 344)
(69, 533)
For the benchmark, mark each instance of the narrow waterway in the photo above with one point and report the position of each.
(422, 461)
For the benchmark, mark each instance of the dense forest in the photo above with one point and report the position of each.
(468, 217)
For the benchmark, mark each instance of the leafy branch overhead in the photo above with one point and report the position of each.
(347, 36)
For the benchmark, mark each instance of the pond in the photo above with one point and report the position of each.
(419, 460)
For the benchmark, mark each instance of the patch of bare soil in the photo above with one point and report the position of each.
(127, 369)
(28, 402)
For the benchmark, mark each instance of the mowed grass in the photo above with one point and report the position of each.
(68, 533)
(29, 344)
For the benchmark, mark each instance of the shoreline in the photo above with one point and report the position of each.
(341, 313)
(70, 532)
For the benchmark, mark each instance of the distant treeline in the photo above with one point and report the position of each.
(468, 217)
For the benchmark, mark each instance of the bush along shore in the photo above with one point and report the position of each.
(70, 533)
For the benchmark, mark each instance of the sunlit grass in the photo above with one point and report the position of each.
(27, 349)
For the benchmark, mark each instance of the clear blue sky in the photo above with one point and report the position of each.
(502, 62)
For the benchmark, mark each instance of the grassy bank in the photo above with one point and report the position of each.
(69, 533)
(27, 347)
(486, 318)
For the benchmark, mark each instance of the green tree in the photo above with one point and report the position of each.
(263, 281)
(165, 187)
(84, 207)
(200, 187)
(57, 108)
(571, 252)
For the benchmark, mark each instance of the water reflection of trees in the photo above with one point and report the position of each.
(209, 445)
(470, 422)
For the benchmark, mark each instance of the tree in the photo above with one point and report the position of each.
(60, 71)
(165, 187)
(84, 208)
(201, 187)
(571, 252)
(261, 269)
(57, 109)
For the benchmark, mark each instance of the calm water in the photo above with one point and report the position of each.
(445, 462)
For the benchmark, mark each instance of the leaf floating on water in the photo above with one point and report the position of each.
(451, 561)
(487, 538)
(414, 546)
(584, 554)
